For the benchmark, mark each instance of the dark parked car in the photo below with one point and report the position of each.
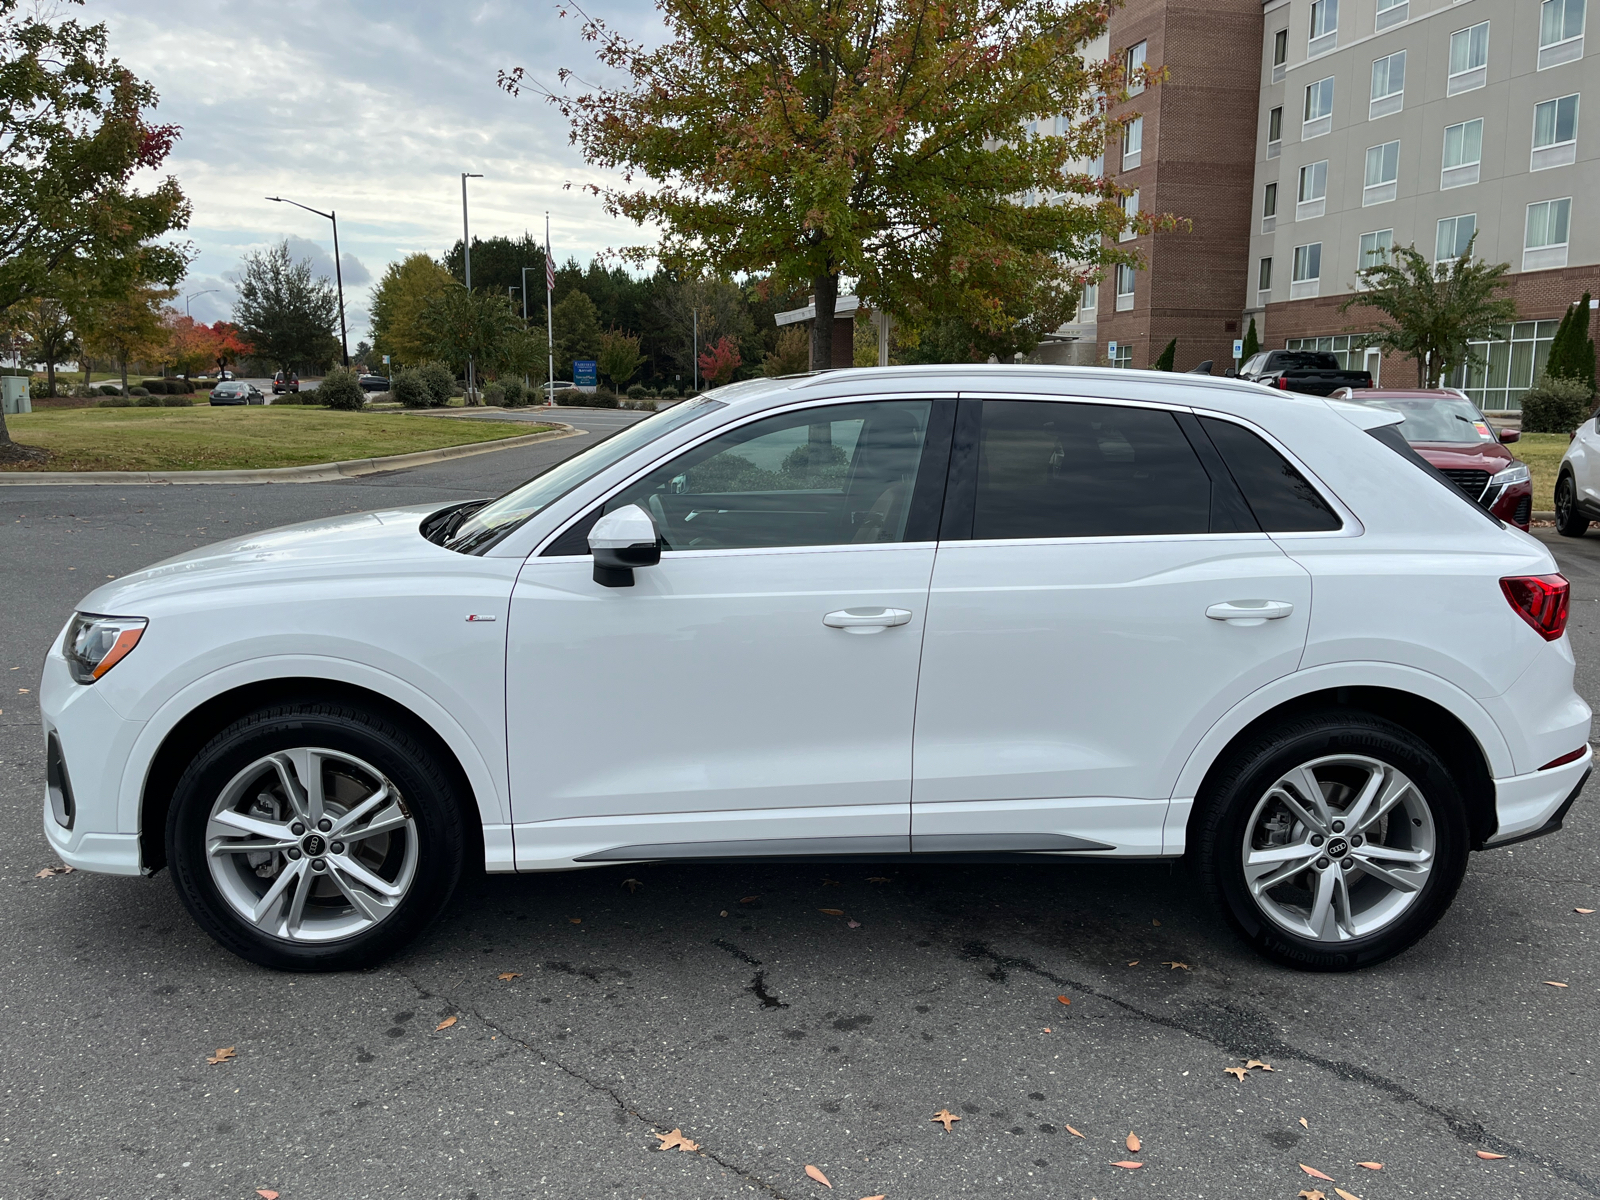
(1456, 439)
(237, 391)
(280, 384)
(1312, 371)
(374, 383)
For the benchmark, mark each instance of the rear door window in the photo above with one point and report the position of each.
(1282, 499)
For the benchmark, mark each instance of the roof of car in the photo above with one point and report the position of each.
(1403, 394)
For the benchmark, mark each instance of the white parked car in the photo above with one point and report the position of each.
(1012, 612)
(1578, 481)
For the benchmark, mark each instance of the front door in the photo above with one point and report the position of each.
(1103, 596)
(754, 692)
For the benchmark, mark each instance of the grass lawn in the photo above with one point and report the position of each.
(1542, 452)
(233, 438)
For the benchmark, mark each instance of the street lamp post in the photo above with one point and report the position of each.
(192, 295)
(466, 264)
(338, 272)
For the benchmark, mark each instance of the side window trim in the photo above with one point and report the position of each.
(1228, 506)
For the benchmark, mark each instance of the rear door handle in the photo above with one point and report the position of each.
(866, 620)
(1250, 612)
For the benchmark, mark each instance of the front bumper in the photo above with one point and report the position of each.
(1512, 503)
(1533, 805)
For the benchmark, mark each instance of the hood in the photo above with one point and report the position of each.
(1469, 456)
(385, 537)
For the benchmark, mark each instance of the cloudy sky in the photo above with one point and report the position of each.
(372, 109)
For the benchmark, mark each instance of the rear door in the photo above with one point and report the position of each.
(1102, 595)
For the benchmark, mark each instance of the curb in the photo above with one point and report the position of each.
(310, 473)
(1542, 516)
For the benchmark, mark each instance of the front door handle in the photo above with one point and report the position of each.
(1250, 612)
(866, 620)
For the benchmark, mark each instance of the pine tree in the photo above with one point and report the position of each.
(1252, 343)
(1555, 366)
(1572, 349)
(1168, 357)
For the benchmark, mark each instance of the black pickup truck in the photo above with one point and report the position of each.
(1311, 371)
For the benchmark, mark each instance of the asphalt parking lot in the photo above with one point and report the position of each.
(591, 1014)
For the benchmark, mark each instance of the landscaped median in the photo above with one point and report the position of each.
(234, 438)
(1542, 452)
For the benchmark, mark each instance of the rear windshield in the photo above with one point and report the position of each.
(1391, 437)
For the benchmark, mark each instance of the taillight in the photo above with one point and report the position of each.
(1283, 384)
(1541, 601)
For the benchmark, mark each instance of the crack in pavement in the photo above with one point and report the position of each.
(1230, 1022)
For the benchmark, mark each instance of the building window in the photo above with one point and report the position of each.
(1311, 200)
(1463, 153)
(1555, 133)
(1133, 143)
(1089, 301)
(1324, 27)
(1560, 32)
(1280, 55)
(1307, 279)
(1133, 65)
(1275, 132)
(1545, 244)
(1348, 348)
(1502, 369)
(1269, 208)
(1124, 287)
(1383, 174)
(1376, 249)
(1469, 59)
(1318, 118)
(1122, 357)
(1264, 281)
(1130, 210)
(1391, 13)
(1388, 85)
(1453, 237)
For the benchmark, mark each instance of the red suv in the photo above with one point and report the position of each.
(1448, 430)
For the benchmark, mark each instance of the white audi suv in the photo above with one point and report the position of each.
(1012, 612)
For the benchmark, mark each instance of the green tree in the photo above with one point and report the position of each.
(286, 312)
(1168, 359)
(1572, 349)
(791, 355)
(1252, 343)
(49, 332)
(404, 292)
(891, 143)
(130, 329)
(1434, 312)
(340, 389)
(618, 358)
(459, 326)
(577, 330)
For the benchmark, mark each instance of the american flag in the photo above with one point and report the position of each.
(549, 268)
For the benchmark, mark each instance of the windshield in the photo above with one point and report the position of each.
(496, 519)
(1438, 419)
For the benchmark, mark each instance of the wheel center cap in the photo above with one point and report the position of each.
(1337, 848)
(315, 845)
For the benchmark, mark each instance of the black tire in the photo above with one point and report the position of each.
(1223, 812)
(1569, 522)
(428, 798)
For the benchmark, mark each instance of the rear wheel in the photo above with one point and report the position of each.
(1333, 841)
(314, 837)
(1569, 522)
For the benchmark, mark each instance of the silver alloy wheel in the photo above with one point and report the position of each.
(1338, 848)
(311, 845)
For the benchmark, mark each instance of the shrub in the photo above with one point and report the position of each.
(340, 389)
(136, 390)
(145, 401)
(601, 398)
(494, 395)
(636, 392)
(115, 401)
(110, 389)
(411, 389)
(1556, 406)
(290, 398)
(640, 403)
(178, 401)
(516, 394)
(441, 384)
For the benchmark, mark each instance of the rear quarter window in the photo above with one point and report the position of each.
(1282, 499)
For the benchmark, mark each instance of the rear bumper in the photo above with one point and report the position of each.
(1533, 805)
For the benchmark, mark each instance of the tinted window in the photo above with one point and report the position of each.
(1048, 469)
(1281, 498)
(828, 476)
(1304, 360)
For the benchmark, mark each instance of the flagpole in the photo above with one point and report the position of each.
(549, 308)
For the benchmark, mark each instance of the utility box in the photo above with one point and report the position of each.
(14, 390)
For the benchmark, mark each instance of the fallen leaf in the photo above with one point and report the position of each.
(1584, 911)
(1128, 1164)
(1553, 983)
(723, 913)
(575, 920)
(221, 1056)
(1133, 1143)
(1489, 1154)
(267, 1194)
(1134, 963)
(1371, 1166)
(831, 883)
(24, 691)
(1047, 1029)
(818, 1176)
(1314, 1173)
(1155, 922)
(1176, 966)
(49, 871)
(1304, 1124)
(877, 879)
(872, 1198)
(507, 976)
(1063, 1000)
(1344, 1195)
(946, 1118)
(1237, 1072)
(749, 899)
(831, 912)
(445, 1024)
(633, 885)
(1072, 1131)
(1256, 1062)
(675, 1139)
(853, 924)
(1312, 1194)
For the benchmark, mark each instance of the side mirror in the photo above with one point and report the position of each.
(1510, 435)
(621, 541)
(1231, 373)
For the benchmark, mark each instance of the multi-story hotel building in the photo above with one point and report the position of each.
(1363, 125)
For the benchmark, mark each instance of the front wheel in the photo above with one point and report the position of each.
(1569, 522)
(1333, 842)
(314, 837)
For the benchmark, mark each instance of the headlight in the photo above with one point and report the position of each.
(95, 644)
(1516, 473)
